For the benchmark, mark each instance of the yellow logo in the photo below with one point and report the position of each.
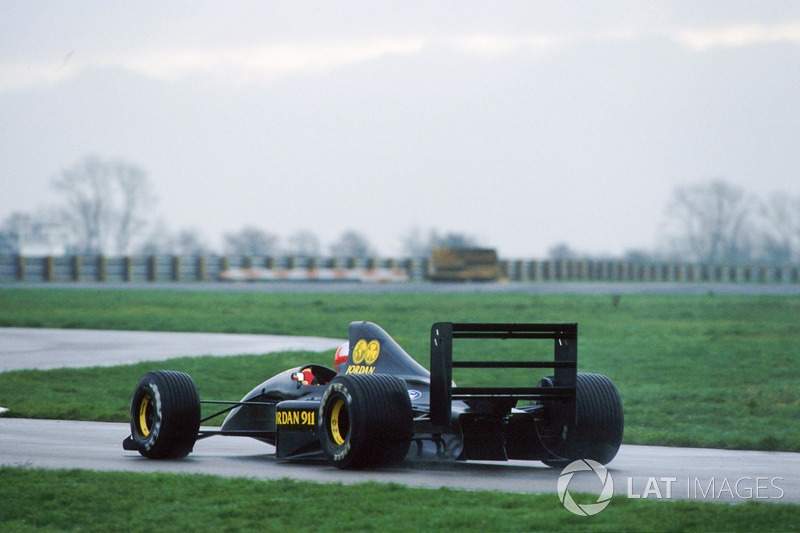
(366, 353)
(373, 351)
(360, 369)
(295, 418)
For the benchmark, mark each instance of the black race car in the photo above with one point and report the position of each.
(380, 406)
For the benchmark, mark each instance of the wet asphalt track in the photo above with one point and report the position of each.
(98, 446)
(53, 348)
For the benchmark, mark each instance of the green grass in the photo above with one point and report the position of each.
(710, 371)
(75, 500)
(692, 370)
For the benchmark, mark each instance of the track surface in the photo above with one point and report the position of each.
(53, 348)
(702, 474)
(98, 446)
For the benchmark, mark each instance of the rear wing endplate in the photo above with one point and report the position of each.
(564, 365)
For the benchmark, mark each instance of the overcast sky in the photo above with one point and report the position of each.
(523, 124)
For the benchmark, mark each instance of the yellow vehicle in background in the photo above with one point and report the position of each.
(464, 264)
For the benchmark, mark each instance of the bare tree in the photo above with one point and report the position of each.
(158, 241)
(639, 255)
(782, 228)
(415, 245)
(186, 242)
(107, 203)
(9, 243)
(190, 241)
(251, 241)
(562, 251)
(351, 244)
(711, 222)
(452, 240)
(304, 243)
(12, 231)
(134, 197)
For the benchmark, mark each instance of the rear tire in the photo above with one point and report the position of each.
(165, 415)
(597, 434)
(365, 420)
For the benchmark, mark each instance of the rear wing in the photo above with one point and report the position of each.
(564, 365)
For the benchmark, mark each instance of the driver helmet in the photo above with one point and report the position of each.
(341, 356)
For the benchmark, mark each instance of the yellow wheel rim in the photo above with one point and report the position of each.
(144, 404)
(336, 419)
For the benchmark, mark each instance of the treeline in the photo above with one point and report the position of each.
(717, 223)
(106, 207)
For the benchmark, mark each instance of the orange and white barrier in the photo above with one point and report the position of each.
(374, 275)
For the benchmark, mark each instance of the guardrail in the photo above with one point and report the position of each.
(175, 268)
(590, 270)
(82, 268)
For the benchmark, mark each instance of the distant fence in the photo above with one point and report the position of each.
(588, 270)
(175, 268)
(209, 268)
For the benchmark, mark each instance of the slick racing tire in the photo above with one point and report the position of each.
(165, 415)
(365, 420)
(597, 434)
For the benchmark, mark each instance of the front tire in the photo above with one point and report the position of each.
(165, 415)
(365, 420)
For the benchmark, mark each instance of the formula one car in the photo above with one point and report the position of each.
(380, 407)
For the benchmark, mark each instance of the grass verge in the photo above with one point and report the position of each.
(77, 500)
